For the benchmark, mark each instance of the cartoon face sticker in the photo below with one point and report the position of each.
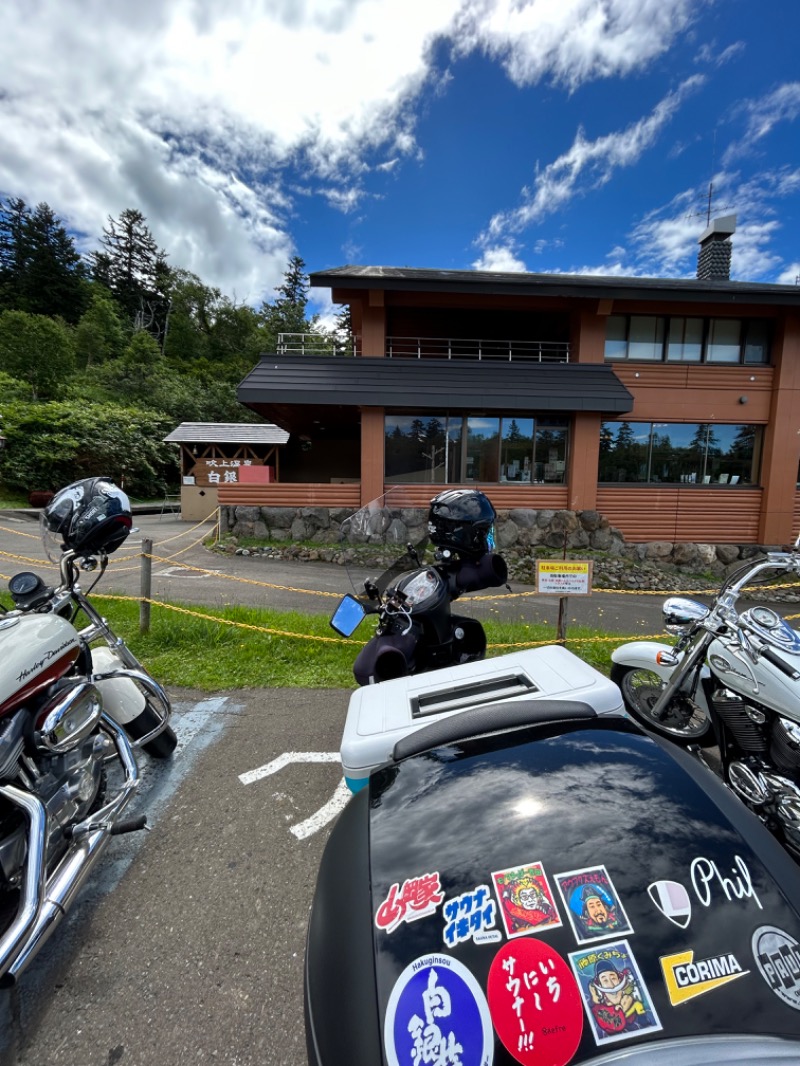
(593, 905)
(616, 999)
(526, 900)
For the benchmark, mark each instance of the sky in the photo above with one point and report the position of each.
(573, 136)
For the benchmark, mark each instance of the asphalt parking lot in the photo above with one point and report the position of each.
(187, 947)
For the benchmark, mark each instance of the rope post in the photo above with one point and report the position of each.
(145, 585)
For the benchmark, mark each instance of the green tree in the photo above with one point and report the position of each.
(287, 314)
(40, 269)
(52, 444)
(99, 335)
(37, 350)
(135, 271)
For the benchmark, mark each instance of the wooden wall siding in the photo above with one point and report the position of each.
(686, 393)
(291, 494)
(705, 516)
(504, 497)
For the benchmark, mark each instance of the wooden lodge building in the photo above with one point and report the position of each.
(671, 406)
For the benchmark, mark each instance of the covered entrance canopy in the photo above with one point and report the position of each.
(288, 389)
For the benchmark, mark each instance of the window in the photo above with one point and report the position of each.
(679, 453)
(685, 341)
(674, 338)
(453, 449)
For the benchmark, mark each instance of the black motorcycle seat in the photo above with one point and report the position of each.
(493, 718)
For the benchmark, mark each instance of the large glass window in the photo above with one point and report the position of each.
(641, 338)
(679, 453)
(453, 449)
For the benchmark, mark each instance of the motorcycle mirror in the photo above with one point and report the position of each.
(348, 616)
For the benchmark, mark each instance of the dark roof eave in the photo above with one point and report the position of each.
(684, 290)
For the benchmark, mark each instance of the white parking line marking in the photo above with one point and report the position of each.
(284, 760)
(335, 804)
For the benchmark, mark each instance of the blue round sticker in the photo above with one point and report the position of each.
(437, 1012)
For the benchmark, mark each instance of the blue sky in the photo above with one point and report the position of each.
(576, 136)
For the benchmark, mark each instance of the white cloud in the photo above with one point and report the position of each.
(708, 53)
(571, 41)
(762, 115)
(587, 164)
(501, 259)
(790, 275)
(201, 115)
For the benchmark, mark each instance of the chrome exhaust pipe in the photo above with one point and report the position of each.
(47, 900)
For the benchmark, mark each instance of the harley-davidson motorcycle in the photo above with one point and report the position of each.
(417, 630)
(733, 678)
(71, 716)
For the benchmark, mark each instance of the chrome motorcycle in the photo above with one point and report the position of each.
(731, 678)
(72, 716)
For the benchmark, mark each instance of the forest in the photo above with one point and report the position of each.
(102, 355)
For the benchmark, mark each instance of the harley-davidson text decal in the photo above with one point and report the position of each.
(472, 915)
(593, 906)
(32, 669)
(686, 978)
(419, 897)
(616, 998)
(672, 900)
(535, 1003)
(437, 1013)
(777, 956)
(526, 901)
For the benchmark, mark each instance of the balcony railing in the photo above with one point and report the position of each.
(472, 348)
(313, 344)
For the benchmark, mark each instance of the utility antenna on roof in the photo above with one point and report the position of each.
(723, 207)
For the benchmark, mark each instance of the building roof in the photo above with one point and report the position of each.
(228, 433)
(411, 279)
(281, 382)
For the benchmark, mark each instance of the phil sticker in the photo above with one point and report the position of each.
(672, 900)
(616, 999)
(534, 1003)
(471, 916)
(687, 977)
(777, 956)
(419, 897)
(592, 904)
(437, 1013)
(526, 902)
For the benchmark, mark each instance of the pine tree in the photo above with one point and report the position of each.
(135, 270)
(288, 313)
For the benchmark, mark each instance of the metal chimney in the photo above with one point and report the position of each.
(714, 257)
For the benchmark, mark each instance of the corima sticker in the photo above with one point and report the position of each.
(777, 956)
(437, 1013)
(686, 978)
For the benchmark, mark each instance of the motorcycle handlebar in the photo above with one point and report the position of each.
(780, 664)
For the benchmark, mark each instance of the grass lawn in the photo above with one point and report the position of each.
(185, 650)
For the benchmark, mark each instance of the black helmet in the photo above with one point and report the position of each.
(91, 516)
(462, 520)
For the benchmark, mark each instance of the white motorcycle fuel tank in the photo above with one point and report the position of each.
(762, 681)
(35, 650)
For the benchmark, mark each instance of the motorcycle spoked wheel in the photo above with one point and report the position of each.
(685, 722)
(160, 747)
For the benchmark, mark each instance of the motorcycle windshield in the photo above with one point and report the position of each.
(385, 538)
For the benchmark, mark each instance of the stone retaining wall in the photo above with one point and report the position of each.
(519, 533)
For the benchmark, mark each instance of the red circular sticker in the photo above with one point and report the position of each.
(535, 1003)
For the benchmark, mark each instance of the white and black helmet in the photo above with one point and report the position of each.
(91, 517)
